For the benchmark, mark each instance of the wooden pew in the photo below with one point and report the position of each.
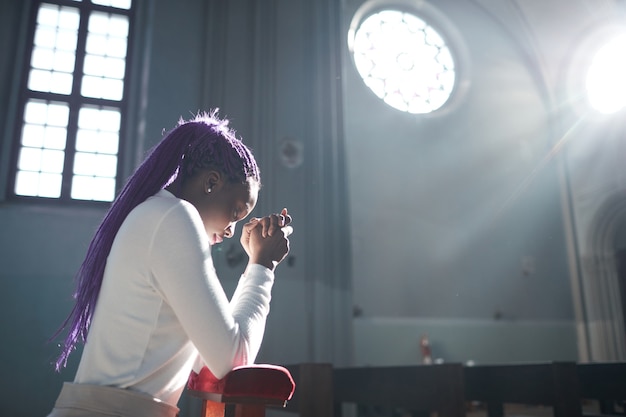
(604, 382)
(314, 395)
(423, 388)
(548, 384)
(444, 389)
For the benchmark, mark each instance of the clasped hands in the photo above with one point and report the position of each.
(266, 239)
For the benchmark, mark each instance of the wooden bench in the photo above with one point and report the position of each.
(314, 396)
(547, 384)
(421, 388)
(444, 389)
(604, 382)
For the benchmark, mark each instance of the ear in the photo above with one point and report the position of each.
(212, 180)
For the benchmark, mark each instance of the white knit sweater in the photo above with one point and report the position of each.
(161, 304)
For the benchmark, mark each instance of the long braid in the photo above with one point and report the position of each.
(205, 141)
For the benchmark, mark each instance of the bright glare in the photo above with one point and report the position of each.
(121, 4)
(404, 61)
(606, 79)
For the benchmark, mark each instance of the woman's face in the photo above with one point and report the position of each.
(226, 204)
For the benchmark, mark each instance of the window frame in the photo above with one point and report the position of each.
(74, 100)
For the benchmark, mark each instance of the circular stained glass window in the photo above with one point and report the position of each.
(404, 61)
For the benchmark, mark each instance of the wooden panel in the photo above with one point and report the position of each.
(550, 384)
(212, 409)
(247, 410)
(429, 387)
(313, 396)
(602, 381)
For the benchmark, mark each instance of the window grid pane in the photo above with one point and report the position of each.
(105, 62)
(54, 51)
(42, 152)
(93, 188)
(95, 161)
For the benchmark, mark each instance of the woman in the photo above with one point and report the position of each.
(161, 309)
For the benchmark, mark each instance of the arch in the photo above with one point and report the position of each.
(601, 286)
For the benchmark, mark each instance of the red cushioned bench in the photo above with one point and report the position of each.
(244, 392)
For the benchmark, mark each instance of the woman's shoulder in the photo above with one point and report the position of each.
(162, 204)
(164, 217)
(164, 207)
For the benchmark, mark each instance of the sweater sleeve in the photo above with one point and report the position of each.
(225, 334)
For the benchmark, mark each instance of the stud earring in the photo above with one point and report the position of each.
(208, 190)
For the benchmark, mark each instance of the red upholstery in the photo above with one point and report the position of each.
(256, 381)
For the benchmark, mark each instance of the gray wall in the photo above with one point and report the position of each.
(457, 218)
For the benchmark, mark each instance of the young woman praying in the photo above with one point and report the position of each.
(149, 305)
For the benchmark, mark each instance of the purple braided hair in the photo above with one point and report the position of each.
(203, 142)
